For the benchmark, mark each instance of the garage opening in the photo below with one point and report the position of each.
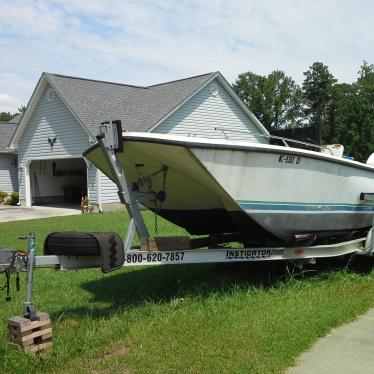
(56, 182)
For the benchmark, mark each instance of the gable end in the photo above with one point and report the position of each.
(213, 112)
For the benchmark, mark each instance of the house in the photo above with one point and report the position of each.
(63, 117)
(8, 158)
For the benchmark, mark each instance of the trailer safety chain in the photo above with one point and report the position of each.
(11, 268)
(7, 272)
(156, 219)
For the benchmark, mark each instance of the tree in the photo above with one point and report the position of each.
(5, 116)
(274, 99)
(345, 105)
(351, 115)
(364, 107)
(317, 94)
(21, 109)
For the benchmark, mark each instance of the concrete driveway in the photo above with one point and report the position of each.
(17, 213)
(348, 349)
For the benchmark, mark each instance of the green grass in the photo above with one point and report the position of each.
(237, 318)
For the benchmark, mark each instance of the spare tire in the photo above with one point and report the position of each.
(71, 243)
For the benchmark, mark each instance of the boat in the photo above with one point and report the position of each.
(266, 193)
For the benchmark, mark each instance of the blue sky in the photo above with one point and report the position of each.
(148, 42)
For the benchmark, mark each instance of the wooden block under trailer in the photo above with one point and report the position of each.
(165, 243)
(32, 336)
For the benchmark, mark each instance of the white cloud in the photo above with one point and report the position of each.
(29, 18)
(8, 103)
(146, 42)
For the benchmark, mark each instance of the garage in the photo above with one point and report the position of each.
(58, 181)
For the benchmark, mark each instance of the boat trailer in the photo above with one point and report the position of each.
(153, 250)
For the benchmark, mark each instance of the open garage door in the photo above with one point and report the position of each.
(60, 181)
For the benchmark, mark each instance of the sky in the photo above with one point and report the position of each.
(148, 42)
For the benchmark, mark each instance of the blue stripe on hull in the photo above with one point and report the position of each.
(305, 207)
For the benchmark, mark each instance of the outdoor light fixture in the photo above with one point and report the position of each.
(52, 141)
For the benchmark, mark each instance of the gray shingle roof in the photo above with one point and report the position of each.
(16, 118)
(6, 132)
(139, 108)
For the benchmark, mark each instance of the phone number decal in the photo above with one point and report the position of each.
(154, 257)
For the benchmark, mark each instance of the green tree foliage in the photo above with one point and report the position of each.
(344, 119)
(317, 94)
(5, 116)
(364, 107)
(352, 115)
(343, 113)
(275, 99)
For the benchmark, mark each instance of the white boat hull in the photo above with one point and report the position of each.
(258, 190)
(303, 195)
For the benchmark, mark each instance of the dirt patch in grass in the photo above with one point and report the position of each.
(115, 350)
(106, 361)
(72, 323)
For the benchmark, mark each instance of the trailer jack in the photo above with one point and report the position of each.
(29, 307)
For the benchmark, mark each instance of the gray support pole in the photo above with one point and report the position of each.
(124, 192)
(127, 243)
(29, 310)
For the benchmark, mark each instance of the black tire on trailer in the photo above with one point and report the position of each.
(71, 243)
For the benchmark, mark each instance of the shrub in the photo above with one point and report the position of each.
(15, 198)
(3, 196)
(8, 200)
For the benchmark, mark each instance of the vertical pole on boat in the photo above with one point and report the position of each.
(110, 142)
(372, 237)
(369, 245)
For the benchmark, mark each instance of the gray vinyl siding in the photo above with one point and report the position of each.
(108, 190)
(8, 173)
(204, 112)
(52, 119)
(92, 184)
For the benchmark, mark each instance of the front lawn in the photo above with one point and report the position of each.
(242, 318)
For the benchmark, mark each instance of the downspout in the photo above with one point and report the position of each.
(27, 184)
(98, 190)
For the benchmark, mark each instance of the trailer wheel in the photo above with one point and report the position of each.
(71, 243)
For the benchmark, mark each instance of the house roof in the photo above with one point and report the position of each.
(6, 132)
(139, 108)
(16, 118)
